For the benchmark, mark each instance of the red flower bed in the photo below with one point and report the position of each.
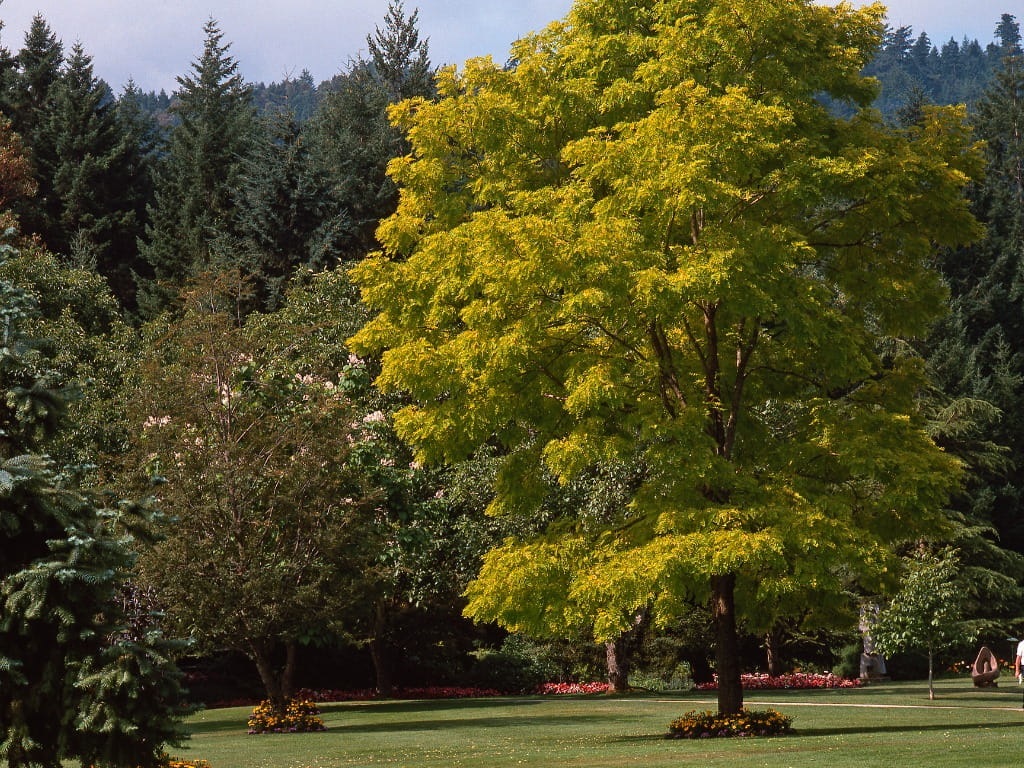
(556, 689)
(795, 680)
(434, 692)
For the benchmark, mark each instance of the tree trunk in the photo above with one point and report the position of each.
(618, 666)
(382, 668)
(771, 648)
(261, 655)
(931, 687)
(619, 653)
(288, 675)
(380, 653)
(727, 661)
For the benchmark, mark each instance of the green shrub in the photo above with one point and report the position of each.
(678, 679)
(518, 666)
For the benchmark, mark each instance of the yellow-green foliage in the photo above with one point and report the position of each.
(651, 243)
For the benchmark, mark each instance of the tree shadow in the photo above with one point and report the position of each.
(509, 721)
(239, 724)
(837, 731)
(424, 705)
(865, 729)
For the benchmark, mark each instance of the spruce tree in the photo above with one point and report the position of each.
(38, 70)
(977, 351)
(282, 200)
(194, 202)
(354, 140)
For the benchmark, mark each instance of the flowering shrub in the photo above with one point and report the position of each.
(796, 680)
(567, 688)
(333, 694)
(301, 715)
(448, 692)
(174, 762)
(710, 725)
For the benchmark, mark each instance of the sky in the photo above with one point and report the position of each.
(152, 41)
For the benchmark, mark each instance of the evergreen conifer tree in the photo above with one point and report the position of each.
(354, 141)
(977, 351)
(194, 201)
(281, 203)
(38, 70)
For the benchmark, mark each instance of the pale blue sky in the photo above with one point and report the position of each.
(154, 40)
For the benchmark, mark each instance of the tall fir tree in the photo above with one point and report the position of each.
(977, 351)
(38, 69)
(282, 201)
(354, 139)
(87, 157)
(194, 203)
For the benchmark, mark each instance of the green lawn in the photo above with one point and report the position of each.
(890, 726)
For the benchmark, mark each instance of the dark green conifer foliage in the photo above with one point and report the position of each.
(281, 205)
(355, 141)
(132, 191)
(294, 96)
(89, 161)
(194, 203)
(74, 683)
(38, 70)
(978, 351)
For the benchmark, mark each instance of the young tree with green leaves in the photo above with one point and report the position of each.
(651, 241)
(928, 611)
(253, 450)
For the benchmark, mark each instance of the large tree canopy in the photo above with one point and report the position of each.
(651, 241)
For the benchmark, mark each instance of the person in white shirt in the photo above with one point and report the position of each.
(1016, 661)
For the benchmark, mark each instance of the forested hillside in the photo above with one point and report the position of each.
(176, 278)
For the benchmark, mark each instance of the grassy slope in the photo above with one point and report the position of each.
(964, 726)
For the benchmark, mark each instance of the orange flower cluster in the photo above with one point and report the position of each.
(300, 716)
(709, 725)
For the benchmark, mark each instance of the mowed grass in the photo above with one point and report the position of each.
(888, 725)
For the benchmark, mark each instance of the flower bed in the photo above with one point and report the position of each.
(434, 692)
(560, 689)
(301, 716)
(748, 723)
(795, 680)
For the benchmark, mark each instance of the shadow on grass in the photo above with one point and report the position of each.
(237, 724)
(839, 731)
(425, 705)
(864, 729)
(511, 721)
